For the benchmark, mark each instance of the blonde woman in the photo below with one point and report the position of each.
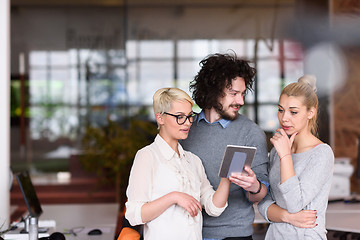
(168, 187)
(300, 168)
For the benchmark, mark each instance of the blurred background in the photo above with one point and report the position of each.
(81, 66)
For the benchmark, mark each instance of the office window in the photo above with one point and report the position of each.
(49, 91)
(70, 89)
(150, 67)
(278, 63)
(92, 84)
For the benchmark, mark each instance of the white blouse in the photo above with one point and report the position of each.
(157, 170)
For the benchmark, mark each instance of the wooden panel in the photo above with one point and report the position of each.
(346, 6)
(347, 114)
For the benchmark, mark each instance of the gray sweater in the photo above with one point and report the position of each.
(208, 141)
(307, 190)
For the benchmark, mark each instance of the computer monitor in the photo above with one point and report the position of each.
(29, 194)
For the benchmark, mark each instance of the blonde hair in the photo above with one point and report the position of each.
(164, 97)
(305, 87)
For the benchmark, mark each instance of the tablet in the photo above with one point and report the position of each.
(235, 158)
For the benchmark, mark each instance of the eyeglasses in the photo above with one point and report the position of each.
(73, 231)
(181, 118)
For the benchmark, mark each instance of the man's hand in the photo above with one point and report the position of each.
(247, 181)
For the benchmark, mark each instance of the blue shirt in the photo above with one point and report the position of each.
(223, 122)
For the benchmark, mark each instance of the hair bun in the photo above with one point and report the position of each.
(309, 80)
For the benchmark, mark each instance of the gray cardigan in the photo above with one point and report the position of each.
(307, 190)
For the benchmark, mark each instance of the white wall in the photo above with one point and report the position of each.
(4, 113)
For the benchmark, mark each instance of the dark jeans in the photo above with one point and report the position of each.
(239, 238)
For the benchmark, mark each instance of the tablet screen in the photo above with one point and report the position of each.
(235, 158)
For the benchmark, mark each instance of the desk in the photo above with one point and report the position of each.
(344, 217)
(340, 216)
(89, 216)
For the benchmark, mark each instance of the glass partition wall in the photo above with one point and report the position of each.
(87, 65)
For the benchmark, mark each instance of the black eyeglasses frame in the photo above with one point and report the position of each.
(189, 117)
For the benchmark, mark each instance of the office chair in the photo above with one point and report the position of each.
(129, 234)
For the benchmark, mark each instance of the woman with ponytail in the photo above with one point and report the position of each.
(300, 168)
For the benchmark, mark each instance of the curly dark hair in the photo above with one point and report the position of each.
(216, 73)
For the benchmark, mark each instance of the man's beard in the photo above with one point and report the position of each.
(225, 115)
